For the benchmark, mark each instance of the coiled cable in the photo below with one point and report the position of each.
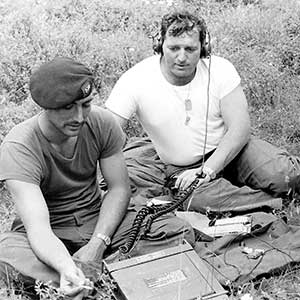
(154, 211)
(135, 229)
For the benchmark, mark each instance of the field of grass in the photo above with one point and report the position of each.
(260, 37)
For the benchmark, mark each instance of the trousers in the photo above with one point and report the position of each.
(260, 165)
(258, 177)
(16, 254)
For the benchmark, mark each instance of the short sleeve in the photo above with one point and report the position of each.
(225, 76)
(122, 100)
(109, 134)
(19, 163)
(114, 139)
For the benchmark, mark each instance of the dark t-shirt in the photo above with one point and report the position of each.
(69, 185)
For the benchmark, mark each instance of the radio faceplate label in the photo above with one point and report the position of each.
(165, 279)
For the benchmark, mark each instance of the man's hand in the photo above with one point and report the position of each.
(91, 252)
(186, 178)
(74, 284)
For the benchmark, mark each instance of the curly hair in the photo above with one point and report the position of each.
(177, 23)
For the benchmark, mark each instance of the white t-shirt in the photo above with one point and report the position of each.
(160, 107)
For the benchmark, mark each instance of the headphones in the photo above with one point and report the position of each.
(206, 46)
(205, 51)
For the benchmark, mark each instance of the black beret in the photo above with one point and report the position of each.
(60, 82)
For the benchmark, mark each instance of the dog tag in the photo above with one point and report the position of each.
(188, 104)
(187, 120)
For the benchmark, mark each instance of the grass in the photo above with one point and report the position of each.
(260, 37)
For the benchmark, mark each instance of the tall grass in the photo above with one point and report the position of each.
(260, 37)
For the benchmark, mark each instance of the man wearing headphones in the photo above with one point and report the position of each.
(193, 108)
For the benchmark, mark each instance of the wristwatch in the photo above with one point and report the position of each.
(106, 239)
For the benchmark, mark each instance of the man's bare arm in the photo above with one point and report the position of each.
(234, 111)
(114, 206)
(32, 209)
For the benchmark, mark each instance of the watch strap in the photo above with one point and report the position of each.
(106, 239)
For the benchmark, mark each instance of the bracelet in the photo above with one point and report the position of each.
(201, 175)
(208, 171)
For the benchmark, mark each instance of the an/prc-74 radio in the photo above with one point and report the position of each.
(176, 273)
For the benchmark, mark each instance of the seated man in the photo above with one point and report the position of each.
(192, 106)
(49, 164)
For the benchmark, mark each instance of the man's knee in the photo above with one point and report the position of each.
(165, 232)
(8, 275)
(262, 165)
(15, 251)
(11, 279)
(4, 274)
(172, 227)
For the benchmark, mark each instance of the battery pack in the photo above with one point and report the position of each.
(176, 273)
(226, 226)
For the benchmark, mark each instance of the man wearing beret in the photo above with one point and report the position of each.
(49, 163)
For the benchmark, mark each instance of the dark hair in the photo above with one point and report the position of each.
(181, 22)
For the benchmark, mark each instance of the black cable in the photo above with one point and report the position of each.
(260, 259)
(134, 231)
(273, 247)
(154, 212)
(225, 252)
(179, 198)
